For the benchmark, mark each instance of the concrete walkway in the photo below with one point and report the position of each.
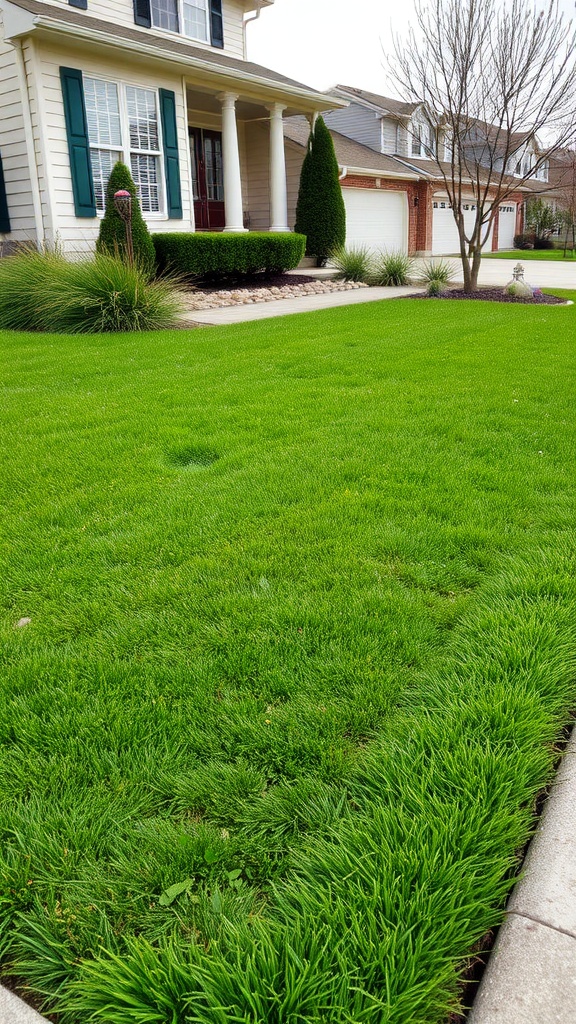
(302, 304)
(539, 273)
(531, 973)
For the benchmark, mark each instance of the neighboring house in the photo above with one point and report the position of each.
(386, 204)
(163, 85)
(406, 132)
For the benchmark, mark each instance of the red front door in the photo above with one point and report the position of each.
(207, 179)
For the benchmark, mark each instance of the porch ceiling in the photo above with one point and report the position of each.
(205, 102)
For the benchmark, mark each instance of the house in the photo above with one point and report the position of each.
(163, 85)
(386, 203)
(408, 134)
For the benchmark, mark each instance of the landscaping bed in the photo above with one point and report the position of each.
(496, 295)
(288, 644)
(246, 292)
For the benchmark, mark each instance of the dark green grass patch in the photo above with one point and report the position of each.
(530, 254)
(274, 730)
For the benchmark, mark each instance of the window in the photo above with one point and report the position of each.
(123, 125)
(189, 17)
(423, 139)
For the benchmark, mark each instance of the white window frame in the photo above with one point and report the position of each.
(180, 11)
(126, 150)
(422, 131)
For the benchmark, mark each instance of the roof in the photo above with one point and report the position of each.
(173, 49)
(387, 104)
(349, 153)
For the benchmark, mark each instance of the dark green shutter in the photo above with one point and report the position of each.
(4, 216)
(81, 4)
(78, 144)
(142, 13)
(171, 162)
(216, 23)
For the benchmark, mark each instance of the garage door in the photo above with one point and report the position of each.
(506, 226)
(444, 231)
(376, 219)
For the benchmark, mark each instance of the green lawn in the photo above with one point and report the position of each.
(530, 254)
(302, 630)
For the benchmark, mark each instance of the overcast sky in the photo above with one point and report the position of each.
(325, 42)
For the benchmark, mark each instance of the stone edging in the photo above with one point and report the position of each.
(195, 300)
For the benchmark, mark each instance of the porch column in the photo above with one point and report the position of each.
(278, 192)
(233, 205)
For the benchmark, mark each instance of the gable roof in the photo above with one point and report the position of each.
(351, 154)
(385, 104)
(46, 15)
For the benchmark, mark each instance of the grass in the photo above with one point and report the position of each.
(530, 254)
(301, 641)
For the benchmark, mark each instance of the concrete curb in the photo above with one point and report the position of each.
(14, 1011)
(531, 973)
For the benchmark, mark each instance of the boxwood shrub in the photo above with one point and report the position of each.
(216, 254)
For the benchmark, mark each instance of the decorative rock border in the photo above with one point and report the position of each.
(218, 299)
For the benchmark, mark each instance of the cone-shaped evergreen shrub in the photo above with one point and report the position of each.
(112, 237)
(320, 212)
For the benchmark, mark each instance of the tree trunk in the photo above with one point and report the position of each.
(476, 261)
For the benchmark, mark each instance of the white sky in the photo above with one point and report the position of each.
(325, 42)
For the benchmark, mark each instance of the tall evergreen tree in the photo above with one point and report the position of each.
(320, 212)
(112, 237)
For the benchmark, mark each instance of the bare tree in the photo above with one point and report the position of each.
(495, 77)
(565, 195)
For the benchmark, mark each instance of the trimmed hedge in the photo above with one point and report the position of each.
(219, 254)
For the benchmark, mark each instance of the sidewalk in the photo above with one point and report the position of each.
(302, 304)
(540, 273)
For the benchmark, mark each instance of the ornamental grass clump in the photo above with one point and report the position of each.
(391, 269)
(22, 278)
(353, 264)
(42, 291)
(436, 270)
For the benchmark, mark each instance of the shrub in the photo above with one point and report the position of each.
(543, 243)
(523, 242)
(518, 290)
(43, 291)
(436, 270)
(112, 237)
(391, 268)
(436, 288)
(353, 264)
(220, 255)
(320, 211)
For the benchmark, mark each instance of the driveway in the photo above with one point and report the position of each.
(538, 273)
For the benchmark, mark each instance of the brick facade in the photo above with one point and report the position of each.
(420, 209)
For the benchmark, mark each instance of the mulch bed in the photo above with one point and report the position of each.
(494, 295)
(253, 281)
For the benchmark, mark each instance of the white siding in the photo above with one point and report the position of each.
(389, 134)
(121, 12)
(79, 234)
(13, 149)
(358, 123)
(257, 196)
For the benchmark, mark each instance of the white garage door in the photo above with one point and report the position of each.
(376, 219)
(506, 226)
(444, 231)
